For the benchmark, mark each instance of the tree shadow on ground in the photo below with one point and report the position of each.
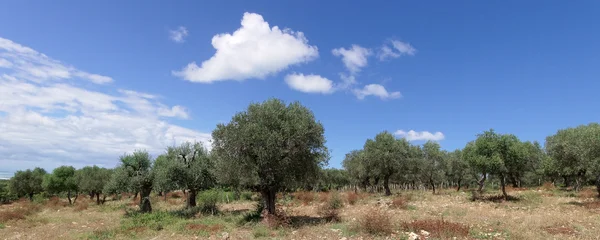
(301, 221)
(495, 198)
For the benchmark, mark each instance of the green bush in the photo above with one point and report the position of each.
(208, 201)
(246, 196)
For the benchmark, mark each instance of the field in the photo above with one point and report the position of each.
(540, 213)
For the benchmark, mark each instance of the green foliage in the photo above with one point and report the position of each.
(386, 156)
(61, 180)
(270, 146)
(157, 220)
(27, 183)
(333, 179)
(208, 201)
(457, 168)
(94, 179)
(575, 152)
(356, 165)
(133, 174)
(5, 195)
(432, 164)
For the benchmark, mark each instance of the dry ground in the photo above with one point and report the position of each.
(538, 214)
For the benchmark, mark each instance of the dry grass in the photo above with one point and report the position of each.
(400, 202)
(81, 205)
(438, 228)
(352, 197)
(560, 229)
(588, 193)
(55, 203)
(20, 210)
(215, 228)
(305, 197)
(376, 222)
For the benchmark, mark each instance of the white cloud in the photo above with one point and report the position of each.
(48, 119)
(33, 66)
(354, 58)
(417, 136)
(178, 35)
(375, 90)
(395, 49)
(255, 50)
(309, 83)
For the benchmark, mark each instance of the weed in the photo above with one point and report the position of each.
(330, 209)
(208, 202)
(399, 202)
(376, 222)
(305, 197)
(102, 234)
(26, 209)
(352, 198)
(260, 231)
(81, 205)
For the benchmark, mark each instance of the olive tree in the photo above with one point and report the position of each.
(61, 180)
(28, 182)
(162, 180)
(432, 164)
(576, 153)
(387, 156)
(270, 146)
(355, 164)
(495, 154)
(457, 168)
(190, 168)
(93, 181)
(134, 174)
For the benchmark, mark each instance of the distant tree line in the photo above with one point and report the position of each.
(273, 147)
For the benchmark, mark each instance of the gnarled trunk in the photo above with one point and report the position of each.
(386, 185)
(481, 183)
(69, 197)
(191, 198)
(268, 196)
(145, 206)
(459, 182)
(503, 183)
(97, 198)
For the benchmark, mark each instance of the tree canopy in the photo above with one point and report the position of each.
(270, 146)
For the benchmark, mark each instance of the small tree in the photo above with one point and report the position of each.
(162, 180)
(28, 182)
(457, 168)
(61, 180)
(432, 170)
(355, 163)
(190, 168)
(93, 180)
(134, 174)
(270, 146)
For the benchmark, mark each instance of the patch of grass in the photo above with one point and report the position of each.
(376, 222)
(260, 231)
(438, 228)
(156, 221)
(254, 216)
(2, 226)
(400, 202)
(21, 212)
(102, 235)
(346, 230)
(208, 201)
(531, 197)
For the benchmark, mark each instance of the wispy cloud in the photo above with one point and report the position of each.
(375, 90)
(395, 49)
(420, 136)
(178, 35)
(50, 116)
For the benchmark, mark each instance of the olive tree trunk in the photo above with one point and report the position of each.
(191, 198)
(268, 196)
(145, 206)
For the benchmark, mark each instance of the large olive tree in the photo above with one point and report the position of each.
(270, 146)
(432, 164)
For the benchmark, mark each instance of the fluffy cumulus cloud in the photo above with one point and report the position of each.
(48, 118)
(178, 35)
(353, 58)
(420, 136)
(255, 50)
(309, 83)
(395, 49)
(375, 90)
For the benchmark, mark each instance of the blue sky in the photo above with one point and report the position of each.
(458, 68)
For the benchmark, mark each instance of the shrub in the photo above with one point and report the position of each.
(208, 201)
(376, 222)
(246, 196)
(260, 231)
(54, 203)
(330, 209)
(324, 196)
(439, 229)
(155, 220)
(81, 205)
(21, 212)
(352, 198)
(399, 203)
(305, 197)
